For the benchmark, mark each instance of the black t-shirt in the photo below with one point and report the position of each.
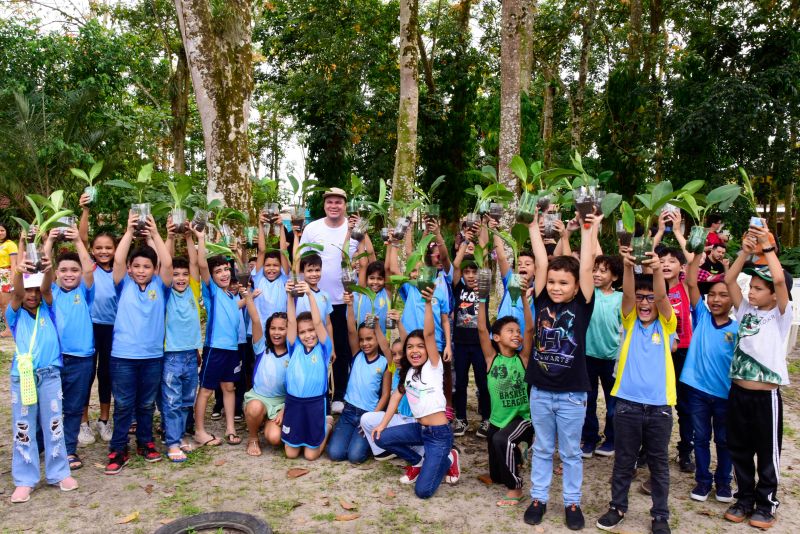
(713, 267)
(558, 362)
(465, 316)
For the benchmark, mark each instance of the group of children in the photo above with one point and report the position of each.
(129, 311)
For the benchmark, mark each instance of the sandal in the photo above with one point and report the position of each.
(74, 462)
(250, 448)
(177, 457)
(19, 500)
(69, 486)
(233, 439)
(507, 502)
(213, 442)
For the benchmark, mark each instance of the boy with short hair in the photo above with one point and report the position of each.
(758, 369)
(272, 269)
(37, 370)
(73, 295)
(137, 351)
(311, 267)
(645, 391)
(181, 346)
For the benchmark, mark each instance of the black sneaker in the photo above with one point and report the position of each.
(738, 512)
(610, 519)
(116, 461)
(686, 463)
(149, 452)
(762, 519)
(535, 512)
(459, 427)
(385, 455)
(660, 526)
(483, 429)
(700, 492)
(573, 517)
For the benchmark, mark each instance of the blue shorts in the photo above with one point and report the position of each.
(219, 365)
(304, 421)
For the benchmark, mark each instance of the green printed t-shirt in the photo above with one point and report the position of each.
(508, 391)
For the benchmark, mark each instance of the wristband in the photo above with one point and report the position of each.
(768, 249)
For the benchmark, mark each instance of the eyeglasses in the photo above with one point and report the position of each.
(648, 298)
(279, 315)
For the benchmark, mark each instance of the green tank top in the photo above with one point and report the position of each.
(507, 390)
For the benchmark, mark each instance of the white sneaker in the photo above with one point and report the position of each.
(85, 436)
(104, 429)
(337, 407)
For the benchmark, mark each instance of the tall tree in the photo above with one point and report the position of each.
(513, 21)
(587, 26)
(217, 37)
(405, 163)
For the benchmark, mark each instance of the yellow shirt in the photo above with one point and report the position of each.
(7, 249)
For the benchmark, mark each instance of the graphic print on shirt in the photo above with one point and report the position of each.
(416, 391)
(555, 341)
(675, 301)
(466, 313)
(744, 366)
(511, 390)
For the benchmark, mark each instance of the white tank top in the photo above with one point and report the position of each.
(425, 393)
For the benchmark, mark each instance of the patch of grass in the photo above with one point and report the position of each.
(181, 503)
(794, 366)
(201, 456)
(788, 431)
(324, 517)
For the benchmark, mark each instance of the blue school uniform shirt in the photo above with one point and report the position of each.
(362, 307)
(46, 350)
(139, 327)
(506, 308)
(183, 319)
(104, 304)
(272, 298)
(364, 385)
(74, 319)
(413, 317)
(222, 328)
(708, 361)
(307, 375)
(244, 323)
(269, 373)
(403, 408)
(324, 304)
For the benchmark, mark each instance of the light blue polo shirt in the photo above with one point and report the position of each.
(74, 319)
(324, 304)
(269, 374)
(222, 309)
(516, 310)
(307, 375)
(139, 327)
(414, 312)
(403, 408)
(708, 360)
(183, 319)
(104, 304)
(272, 298)
(364, 385)
(46, 350)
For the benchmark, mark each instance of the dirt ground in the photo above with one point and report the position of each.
(144, 496)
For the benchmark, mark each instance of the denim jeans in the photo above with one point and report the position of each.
(465, 356)
(634, 424)
(685, 427)
(347, 441)
(45, 416)
(601, 371)
(437, 441)
(710, 412)
(134, 384)
(76, 381)
(557, 414)
(370, 420)
(178, 390)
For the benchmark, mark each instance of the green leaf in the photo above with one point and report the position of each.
(490, 172)
(610, 202)
(661, 194)
(577, 163)
(95, 171)
(605, 176)
(145, 173)
(294, 183)
(81, 174)
(693, 187)
(517, 166)
(56, 200)
(381, 192)
(36, 211)
(122, 184)
(367, 292)
(724, 194)
(26, 227)
(628, 217)
(435, 185)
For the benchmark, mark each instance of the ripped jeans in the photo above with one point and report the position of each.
(47, 414)
(178, 391)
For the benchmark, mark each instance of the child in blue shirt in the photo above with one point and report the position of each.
(137, 354)
(272, 269)
(181, 346)
(705, 373)
(311, 267)
(222, 363)
(367, 388)
(36, 361)
(305, 426)
(373, 277)
(73, 294)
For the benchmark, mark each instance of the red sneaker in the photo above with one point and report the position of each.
(149, 452)
(454, 473)
(412, 472)
(116, 461)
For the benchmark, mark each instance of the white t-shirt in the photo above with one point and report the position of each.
(760, 354)
(331, 239)
(425, 393)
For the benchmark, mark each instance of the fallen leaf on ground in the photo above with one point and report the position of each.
(133, 516)
(295, 472)
(391, 494)
(219, 462)
(347, 505)
(148, 489)
(486, 479)
(347, 517)
(539, 529)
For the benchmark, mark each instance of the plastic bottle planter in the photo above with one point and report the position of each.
(526, 208)
(179, 220)
(143, 211)
(349, 280)
(599, 196)
(391, 324)
(385, 232)
(68, 222)
(641, 246)
(298, 216)
(426, 278)
(33, 254)
(432, 211)
(472, 220)
(484, 283)
(585, 202)
(697, 239)
(200, 220)
(297, 278)
(549, 223)
(360, 229)
(514, 288)
(399, 232)
(482, 207)
(91, 190)
(370, 320)
(251, 235)
(495, 211)
(756, 221)
(226, 234)
(623, 235)
(243, 277)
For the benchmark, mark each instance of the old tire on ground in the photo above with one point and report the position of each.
(237, 521)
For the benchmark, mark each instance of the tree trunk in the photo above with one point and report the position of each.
(220, 58)
(772, 215)
(635, 33)
(526, 46)
(583, 71)
(405, 163)
(179, 100)
(512, 22)
(547, 121)
(787, 230)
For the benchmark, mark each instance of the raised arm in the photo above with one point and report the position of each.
(660, 289)
(87, 265)
(121, 254)
(319, 326)
(530, 327)
(255, 319)
(628, 282)
(191, 252)
(691, 279)
(563, 247)
(499, 250)
(352, 327)
(83, 225)
(731, 275)
(202, 260)
(392, 263)
(462, 251)
(775, 269)
(484, 336)
(428, 330)
(46, 288)
(444, 254)
(18, 283)
(588, 237)
(291, 314)
(164, 257)
(539, 256)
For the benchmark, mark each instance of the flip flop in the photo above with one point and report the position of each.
(508, 502)
(17, 500)
(65, 488)
(74, 462)
(249, 443)
(233, 439)
(213, 442)
(177, 457)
